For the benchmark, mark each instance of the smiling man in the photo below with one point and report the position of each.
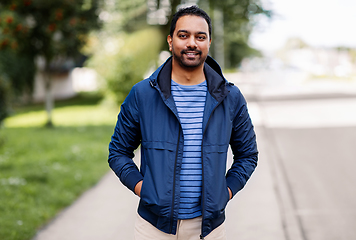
(185, 116)
(191, 44)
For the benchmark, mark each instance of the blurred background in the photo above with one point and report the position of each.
(66, 66)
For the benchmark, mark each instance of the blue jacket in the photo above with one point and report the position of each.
(149, 117)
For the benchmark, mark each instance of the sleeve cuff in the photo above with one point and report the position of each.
(132, 179)
(234, 184)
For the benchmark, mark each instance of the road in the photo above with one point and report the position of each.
(312, 147)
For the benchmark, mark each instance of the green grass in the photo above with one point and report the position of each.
(65, 116)
(43, 170)
(83, 110)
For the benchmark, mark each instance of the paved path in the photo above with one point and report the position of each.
(263, 210)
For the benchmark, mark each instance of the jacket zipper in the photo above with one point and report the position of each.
(202, 167)
(174, 182)
(175, 168)
(202, 187)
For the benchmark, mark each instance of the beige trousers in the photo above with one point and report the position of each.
(187, 230)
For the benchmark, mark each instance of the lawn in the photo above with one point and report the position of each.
(44, 170)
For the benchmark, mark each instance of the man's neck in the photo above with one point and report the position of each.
(187, 77)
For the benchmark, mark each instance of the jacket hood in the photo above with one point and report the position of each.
(215, 79)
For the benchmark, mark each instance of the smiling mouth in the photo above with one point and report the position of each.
(191, 54)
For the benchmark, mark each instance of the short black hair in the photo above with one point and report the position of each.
(193, 10)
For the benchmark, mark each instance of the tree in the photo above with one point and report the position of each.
(238, 22)
(124, 19)
(125, 48)
(53, 30)
(233, 21)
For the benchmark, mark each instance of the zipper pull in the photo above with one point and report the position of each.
(152, 84)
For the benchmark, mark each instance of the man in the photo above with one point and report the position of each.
(184, 115)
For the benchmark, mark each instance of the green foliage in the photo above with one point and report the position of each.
(127, 47)
(47, 28)
(18, 68)
(236, 57)
(239, 20)
(54, 30)
(4, 98)
(133, 14)
(127, 60)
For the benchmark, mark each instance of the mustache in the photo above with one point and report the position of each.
(191, 50)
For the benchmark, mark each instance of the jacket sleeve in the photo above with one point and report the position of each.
(244, 148)
(124, 141)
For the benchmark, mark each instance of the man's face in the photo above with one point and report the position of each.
(190, 41)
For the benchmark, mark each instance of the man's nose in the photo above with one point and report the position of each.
(191, 43)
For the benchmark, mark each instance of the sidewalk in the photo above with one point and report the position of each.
(108, 210)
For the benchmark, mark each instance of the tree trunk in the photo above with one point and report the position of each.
(165, 28)
(49, 101)
(218, 42)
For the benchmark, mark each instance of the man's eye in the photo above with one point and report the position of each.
(201, 37)
(182, 36)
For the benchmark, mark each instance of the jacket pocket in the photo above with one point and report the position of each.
(159, 145)
(153, 198)
(157, 168)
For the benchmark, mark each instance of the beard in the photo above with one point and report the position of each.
(187, 62)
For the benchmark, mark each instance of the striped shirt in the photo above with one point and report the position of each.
(190, 103)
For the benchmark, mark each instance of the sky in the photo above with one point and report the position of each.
(319, 23)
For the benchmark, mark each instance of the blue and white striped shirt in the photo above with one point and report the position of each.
(190, 103)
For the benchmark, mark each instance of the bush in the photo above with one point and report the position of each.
(4, 98)
(19, 69)
(16, 78)
(127, 64)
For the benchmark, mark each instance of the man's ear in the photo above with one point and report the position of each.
(169, 40)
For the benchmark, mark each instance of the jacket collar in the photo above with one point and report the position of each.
(215, 80)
